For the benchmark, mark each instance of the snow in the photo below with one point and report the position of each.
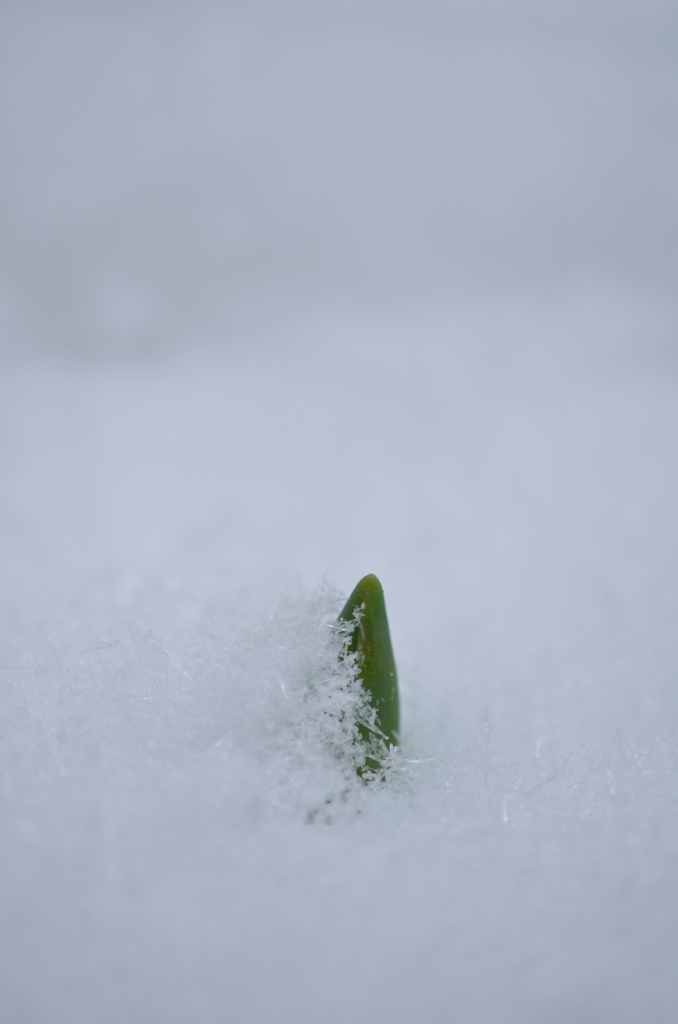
(292, 294)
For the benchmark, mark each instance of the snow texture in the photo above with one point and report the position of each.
(293, 293)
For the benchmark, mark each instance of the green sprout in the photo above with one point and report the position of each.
(370, 640)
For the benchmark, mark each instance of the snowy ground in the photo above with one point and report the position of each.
(292, 294)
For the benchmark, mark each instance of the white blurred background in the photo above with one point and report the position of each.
(302, 290)
(174, 172)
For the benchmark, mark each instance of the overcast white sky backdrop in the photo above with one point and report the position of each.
(289, 293)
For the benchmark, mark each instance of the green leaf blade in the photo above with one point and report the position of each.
(371, 641)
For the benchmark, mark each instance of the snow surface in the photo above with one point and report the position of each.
(294, 293)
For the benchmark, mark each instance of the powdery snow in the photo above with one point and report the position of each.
(183, 836)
